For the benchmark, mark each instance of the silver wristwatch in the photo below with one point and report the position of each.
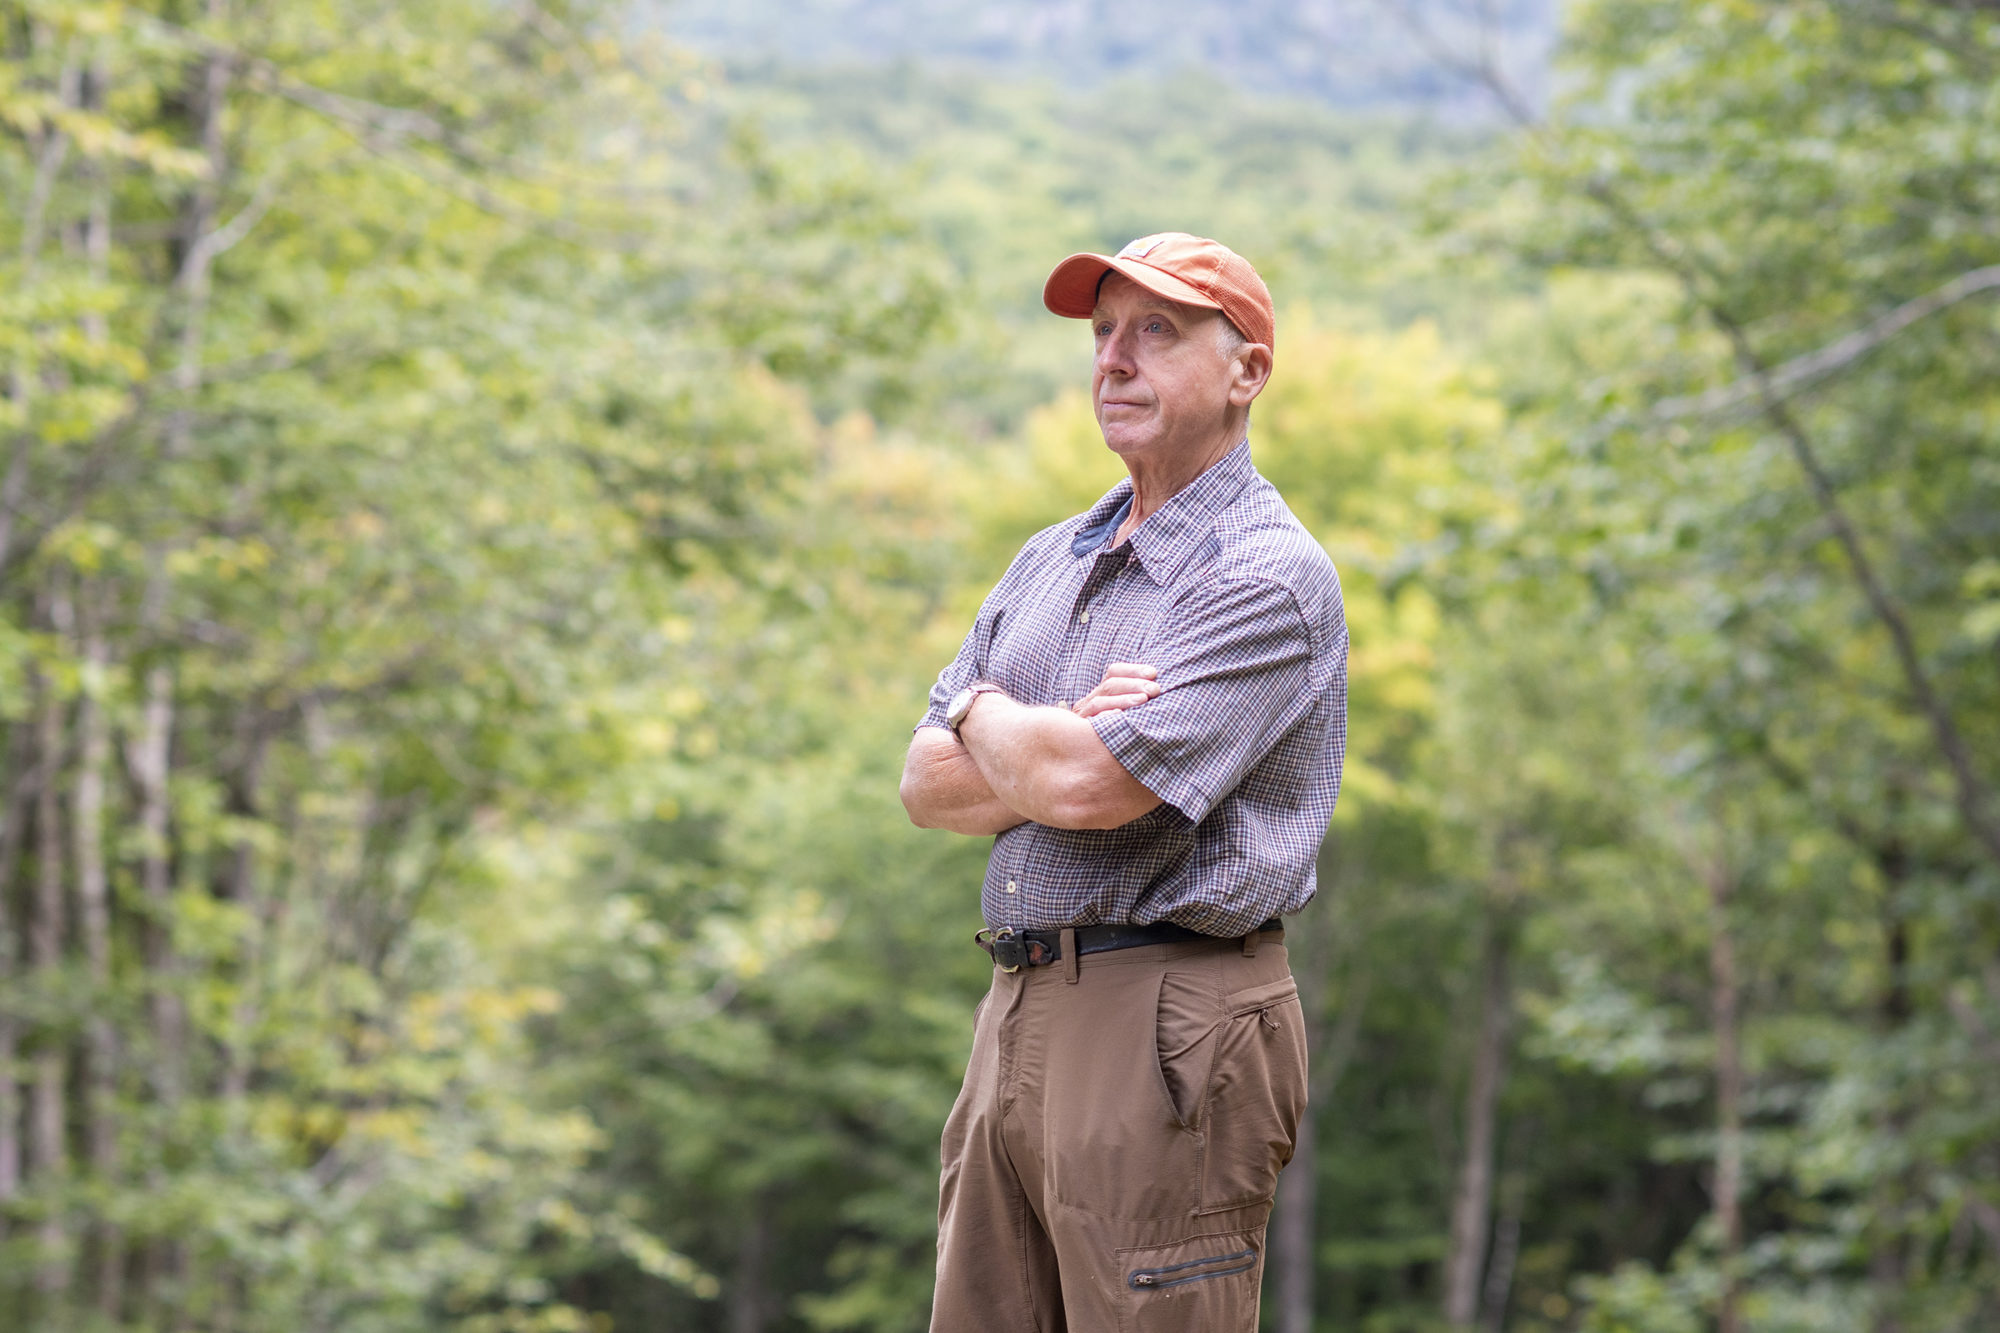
(962, 704)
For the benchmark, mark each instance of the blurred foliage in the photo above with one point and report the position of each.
(483, 493)
(1340, 52)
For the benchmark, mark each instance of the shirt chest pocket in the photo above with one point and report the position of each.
(1006, 654)
(1131, 636)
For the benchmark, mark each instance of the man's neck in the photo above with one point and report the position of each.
(1153, 484)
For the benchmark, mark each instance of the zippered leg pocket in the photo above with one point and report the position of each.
(1201, 1284)
(1191, 1270)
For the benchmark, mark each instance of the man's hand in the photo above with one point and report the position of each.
(1125, 685)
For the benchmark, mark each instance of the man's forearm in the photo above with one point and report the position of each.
(1049, 764)
(943, 788)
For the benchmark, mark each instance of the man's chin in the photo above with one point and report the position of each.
(1123, 440)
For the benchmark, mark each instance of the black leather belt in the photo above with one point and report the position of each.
(1015, 949)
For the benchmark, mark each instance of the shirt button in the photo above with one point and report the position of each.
(1011, 886)
(1085, 617)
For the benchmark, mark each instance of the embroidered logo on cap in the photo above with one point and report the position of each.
(1140, 248)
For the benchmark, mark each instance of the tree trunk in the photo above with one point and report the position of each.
(1887, 1271)
(1728, 1098)
(147, 760)
(93, 902)
(48, 148)
(1473, 1200)
(748, 1304)
(94, 738)
(1506, 1252)
(47, 1158)
(240, 886)
(209, 93)
(14, 802)
(97, 219)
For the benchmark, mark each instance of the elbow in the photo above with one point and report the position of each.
(1084, 804)
(911, 792)
(1074, 812)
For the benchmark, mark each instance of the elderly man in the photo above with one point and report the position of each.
(1150, 713)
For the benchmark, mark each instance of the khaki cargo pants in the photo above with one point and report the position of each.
(1111, 1160)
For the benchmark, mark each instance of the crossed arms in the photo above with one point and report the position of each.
(1020, 763)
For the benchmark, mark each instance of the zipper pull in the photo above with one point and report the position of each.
(1269, 1021)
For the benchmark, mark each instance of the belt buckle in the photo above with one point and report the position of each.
(1010, 953)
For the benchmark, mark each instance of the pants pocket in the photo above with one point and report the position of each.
(1256, 1094)
(1185, 1013)
(1203, 1284)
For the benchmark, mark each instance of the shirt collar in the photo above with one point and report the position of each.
(1179, 528)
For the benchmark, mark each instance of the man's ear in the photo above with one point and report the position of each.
(1250, 368)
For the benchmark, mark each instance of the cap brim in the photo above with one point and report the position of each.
(1071, 290)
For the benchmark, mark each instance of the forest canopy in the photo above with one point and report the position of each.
(485, 488)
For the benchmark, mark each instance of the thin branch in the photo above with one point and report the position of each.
(48, 162)
(1785, 381)
(222, 238)
(1483, 69)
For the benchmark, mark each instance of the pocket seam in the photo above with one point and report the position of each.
(1159, 1071)
(1266, 996)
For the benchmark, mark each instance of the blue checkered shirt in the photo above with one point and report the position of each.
(1236, 605)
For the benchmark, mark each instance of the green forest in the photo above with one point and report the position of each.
(485, 486)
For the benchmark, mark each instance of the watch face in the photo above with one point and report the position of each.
(960, 706)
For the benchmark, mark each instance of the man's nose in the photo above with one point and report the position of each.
(1114, 354)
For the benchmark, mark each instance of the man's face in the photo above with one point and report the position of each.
(1161, 383)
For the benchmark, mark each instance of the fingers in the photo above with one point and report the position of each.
(1117, 682)
(1137, 690)
(1130, 678)
(1099, 702)
(1125, 685)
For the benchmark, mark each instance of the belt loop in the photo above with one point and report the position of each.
(1250, 942)
(1070, 959)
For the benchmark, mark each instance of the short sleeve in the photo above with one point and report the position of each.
(1236, 673)
(971, 663)
(963, 669)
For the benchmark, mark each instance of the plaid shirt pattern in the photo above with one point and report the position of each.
(1227, 595)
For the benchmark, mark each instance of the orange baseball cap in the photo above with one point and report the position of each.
(1190, 269)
